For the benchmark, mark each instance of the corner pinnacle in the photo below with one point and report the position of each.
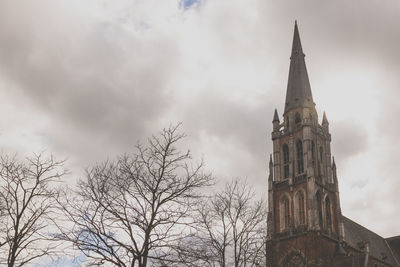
(276, 117)
(324, 119)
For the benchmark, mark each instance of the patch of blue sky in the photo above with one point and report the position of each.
(62, 262)
(186, 4)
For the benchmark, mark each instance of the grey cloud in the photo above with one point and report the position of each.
(103, 84)
(234, 125)
(97, 85)
(348, 139)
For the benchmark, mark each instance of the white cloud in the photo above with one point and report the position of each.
(86, 79)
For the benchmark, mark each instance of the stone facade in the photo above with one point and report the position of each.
(305, 223)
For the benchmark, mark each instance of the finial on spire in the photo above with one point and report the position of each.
(296, 45)
(276, 117)
(324, 119)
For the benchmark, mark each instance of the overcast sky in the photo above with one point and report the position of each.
(87, 79)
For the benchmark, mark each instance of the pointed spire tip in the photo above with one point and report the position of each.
(276, 117)
(324, 119)
(298, 92)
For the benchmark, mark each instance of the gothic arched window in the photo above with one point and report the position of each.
(297, 119)
(321, 157)
(287, 122)
(312, 151)
(286, 212)
(301, 205)
(300, 163)
(319, 209)
(328, 214)
(285, 149)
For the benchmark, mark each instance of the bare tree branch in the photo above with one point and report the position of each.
(126, 211)
(27, 194)
(230, 231)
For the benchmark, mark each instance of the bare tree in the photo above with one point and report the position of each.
(248, 222)
(232, 225)
(191, 251)
(126, 212)
(27, 203)
(215, 223)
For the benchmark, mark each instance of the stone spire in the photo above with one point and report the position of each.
(298, 92)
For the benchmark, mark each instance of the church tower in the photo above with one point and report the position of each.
(303, 195)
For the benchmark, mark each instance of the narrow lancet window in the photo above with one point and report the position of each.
(297, 119)
(312, 152)
(302, 214)
(321, 158)
(286, 212)
(319, 208)
(285, 149)
(287, 122)
(300, 163)
(328, 214)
